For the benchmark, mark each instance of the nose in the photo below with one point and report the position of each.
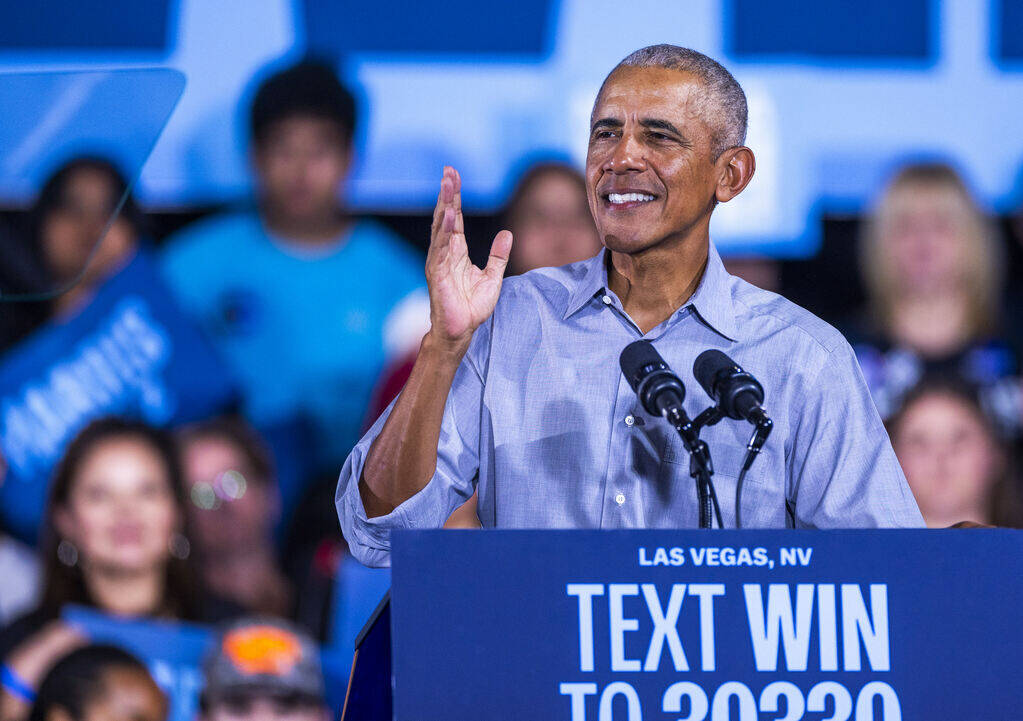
(627, 156)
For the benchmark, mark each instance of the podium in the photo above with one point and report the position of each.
(692, 625)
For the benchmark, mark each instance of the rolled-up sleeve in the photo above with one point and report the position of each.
(842, 468)
(452, 483)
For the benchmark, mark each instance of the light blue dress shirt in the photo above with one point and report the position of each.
(541, 421)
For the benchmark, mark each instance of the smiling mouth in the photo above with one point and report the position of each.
(629, 199)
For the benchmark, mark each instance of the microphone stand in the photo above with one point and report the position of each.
(700, 466)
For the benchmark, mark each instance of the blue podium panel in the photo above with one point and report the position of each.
(716, 625)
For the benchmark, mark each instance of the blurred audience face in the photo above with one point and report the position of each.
(926, 229)
(550, 220)
(230, 508)
(928, 242)
(950, 458)
(300, 165)
(265, 708)
(128, 695)
(72, 227)
(120, 511)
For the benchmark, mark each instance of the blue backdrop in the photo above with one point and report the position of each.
(839, 92)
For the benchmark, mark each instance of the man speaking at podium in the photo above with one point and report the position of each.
(518, 393)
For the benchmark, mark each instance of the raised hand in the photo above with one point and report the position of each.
(462, 296)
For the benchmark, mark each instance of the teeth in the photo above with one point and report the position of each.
(618, 198)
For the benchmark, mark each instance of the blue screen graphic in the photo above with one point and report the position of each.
(840, 93)
(866, 29)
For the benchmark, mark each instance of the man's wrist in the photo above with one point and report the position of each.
(446, 350)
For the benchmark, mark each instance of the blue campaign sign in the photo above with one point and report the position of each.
(692, 625)
(130, 352)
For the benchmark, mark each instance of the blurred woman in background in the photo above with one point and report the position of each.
(68, 235)
(933, 271)
(115, 539)
(99, 683)
(549, 217)
(956, 465)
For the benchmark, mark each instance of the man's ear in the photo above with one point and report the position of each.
(736, 166)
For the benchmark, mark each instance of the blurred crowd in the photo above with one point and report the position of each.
(315, 315)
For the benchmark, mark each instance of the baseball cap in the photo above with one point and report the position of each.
(263, 656)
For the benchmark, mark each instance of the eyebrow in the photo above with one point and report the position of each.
(655, 124)
(606, 123)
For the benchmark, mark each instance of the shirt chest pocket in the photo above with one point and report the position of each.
(727, 443)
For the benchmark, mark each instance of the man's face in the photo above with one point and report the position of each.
(650, 174)
(300, 165)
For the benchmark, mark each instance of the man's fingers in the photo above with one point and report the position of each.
(456, 200)
(500, 249)
(445, 226)
(444, 197)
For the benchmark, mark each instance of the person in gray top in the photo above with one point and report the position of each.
(517, 393)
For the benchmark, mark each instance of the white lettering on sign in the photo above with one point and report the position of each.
(665, 627)
(620, 625)
(790, 625)
(784, 621)
(663, 617)
(586, 592)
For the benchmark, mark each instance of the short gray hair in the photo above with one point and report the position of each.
(727, 113)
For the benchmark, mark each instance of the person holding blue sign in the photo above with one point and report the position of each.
(68, 238)
(112, 342)
(517, 391)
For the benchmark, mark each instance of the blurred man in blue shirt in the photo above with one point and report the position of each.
(305, 301)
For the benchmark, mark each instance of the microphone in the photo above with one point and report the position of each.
(660, 391)
(737, 393)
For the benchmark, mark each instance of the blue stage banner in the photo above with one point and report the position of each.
(130, 352)
(173, 652)
(693, 625)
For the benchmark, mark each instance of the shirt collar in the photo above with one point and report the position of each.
(712, 300)
(593, 281)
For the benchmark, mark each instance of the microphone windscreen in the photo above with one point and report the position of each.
(707, 366)
(636, 360)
